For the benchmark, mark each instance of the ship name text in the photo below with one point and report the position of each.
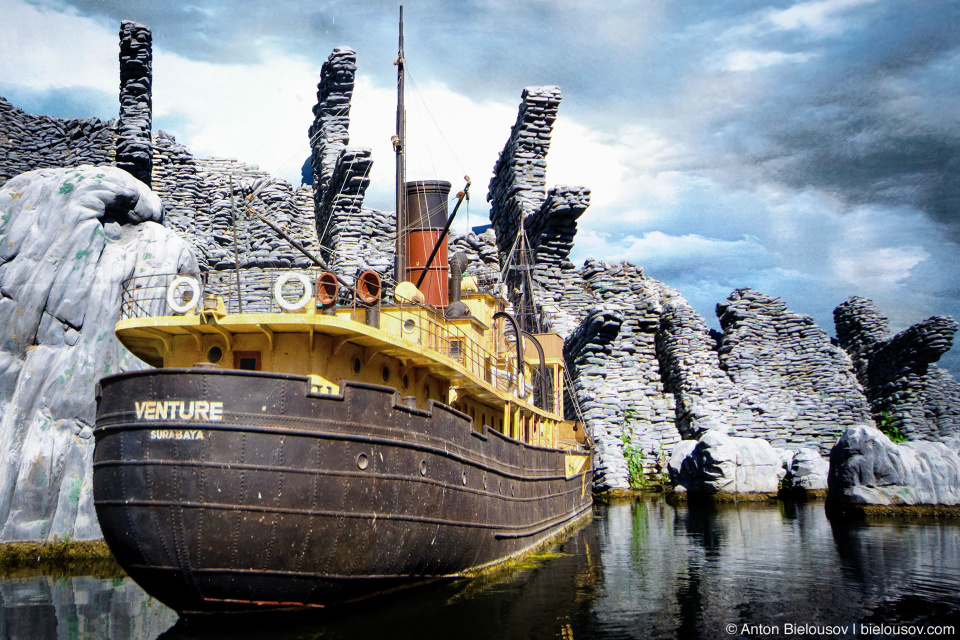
(179, 410)
(176, 434)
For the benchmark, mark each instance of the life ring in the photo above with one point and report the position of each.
(300, 302)
(176, 302)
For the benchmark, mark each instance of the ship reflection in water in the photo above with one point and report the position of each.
(639, 570)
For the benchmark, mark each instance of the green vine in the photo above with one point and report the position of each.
(888, 425)
(634, 458)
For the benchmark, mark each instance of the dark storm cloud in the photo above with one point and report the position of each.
(871, 116)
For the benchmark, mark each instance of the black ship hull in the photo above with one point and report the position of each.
(228, 490)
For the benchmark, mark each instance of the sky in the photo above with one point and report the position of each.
(808, 149)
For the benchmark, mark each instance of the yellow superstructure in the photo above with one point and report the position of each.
(469, 363)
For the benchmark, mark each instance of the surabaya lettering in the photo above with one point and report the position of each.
(179, 410)
(176, 434)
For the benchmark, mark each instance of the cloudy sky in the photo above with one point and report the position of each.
(808, 149)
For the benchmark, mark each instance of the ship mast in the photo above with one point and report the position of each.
(400, 261)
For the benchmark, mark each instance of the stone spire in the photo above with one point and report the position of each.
(134, 147)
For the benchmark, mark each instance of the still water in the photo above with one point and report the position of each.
(638, 570)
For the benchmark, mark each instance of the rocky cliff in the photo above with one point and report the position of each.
(645, 365)
(68, 239)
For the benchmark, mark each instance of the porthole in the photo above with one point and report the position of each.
(463, 477)
(386, 374)
(356, 365)
(362, 461)
(423, 467)
(215, 354)
(409, 325)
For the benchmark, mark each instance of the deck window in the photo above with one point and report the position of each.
(246, 360)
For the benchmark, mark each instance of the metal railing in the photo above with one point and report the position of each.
(147, 296)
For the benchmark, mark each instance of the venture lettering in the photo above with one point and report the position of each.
(179, 410)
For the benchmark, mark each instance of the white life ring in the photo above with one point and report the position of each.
(175, 301)
(300, 302)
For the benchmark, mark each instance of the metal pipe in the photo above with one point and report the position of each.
(521, 385)
(236, 249)
(544, 390)
(400, 258)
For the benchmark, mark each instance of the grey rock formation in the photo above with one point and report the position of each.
(350, 237)
(866, 468)
(898, 372)
(806, 469)
(719, 463)
(519, 199)
(690, 369)
(793, 386)
(196, 193)
(134, 149)
(551, 231)
(331, 117)
(481, 251)
(68, 238)
(584, 352)
(651, 370)
(518, 186)
(29, 142)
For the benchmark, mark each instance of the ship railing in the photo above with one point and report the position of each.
(432, 331)
(147, 296)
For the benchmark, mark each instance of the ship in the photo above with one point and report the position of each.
(308, 439)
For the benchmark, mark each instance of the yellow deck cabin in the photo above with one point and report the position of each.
(469, 363)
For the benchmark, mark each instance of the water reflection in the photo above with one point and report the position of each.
(79, 607)
(639, 570)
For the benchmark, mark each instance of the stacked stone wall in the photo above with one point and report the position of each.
(793, 386)
(29, 142)
(518, 186)
(196, 197)
(645, 366)
(483, 262)
(329, 132)
(904, 386)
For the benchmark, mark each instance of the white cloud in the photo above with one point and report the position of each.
(656, 247)
(821, 16)
(881, 267)
(42, 49)
(622, 166)
(749, 60)
(258, 113)
(448, 136)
